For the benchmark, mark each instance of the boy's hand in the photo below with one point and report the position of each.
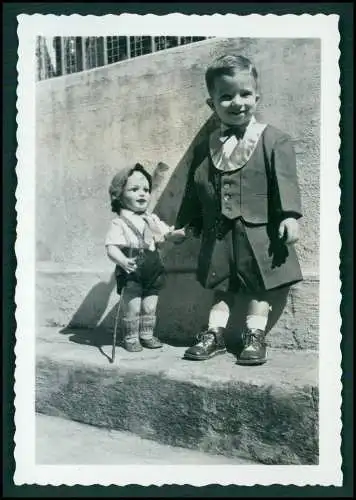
(129, 265)
(289, 231)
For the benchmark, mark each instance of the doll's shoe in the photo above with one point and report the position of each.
(152, 343)
(131, 346)
(254, 351)
(210, 343)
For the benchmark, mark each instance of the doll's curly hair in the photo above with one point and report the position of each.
(119, 181)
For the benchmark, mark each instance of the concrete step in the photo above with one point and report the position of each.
(63, 442)
(267, 414)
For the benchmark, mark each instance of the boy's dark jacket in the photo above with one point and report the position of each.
(263, 192)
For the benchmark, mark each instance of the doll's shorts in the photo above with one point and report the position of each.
(150, 273)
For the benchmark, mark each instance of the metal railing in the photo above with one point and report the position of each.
(57, 56)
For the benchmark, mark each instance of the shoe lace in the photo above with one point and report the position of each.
(205, 338)
(253, 338)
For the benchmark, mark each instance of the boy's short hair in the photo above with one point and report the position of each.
(228, 65)
(119, 181)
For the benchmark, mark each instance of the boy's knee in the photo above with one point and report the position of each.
(259, 307)
(223, 300)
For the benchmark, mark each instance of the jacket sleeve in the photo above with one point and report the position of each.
(286, 198)
(190, 213)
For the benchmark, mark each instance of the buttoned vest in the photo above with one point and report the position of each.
(241, 193)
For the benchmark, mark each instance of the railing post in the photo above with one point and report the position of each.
(84, 58)
(128, 48)
(63, 65)
(39, 58)
(105, 50)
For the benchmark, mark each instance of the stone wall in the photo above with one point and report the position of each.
(151, 109)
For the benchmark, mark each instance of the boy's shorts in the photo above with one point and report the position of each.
(245, 272)
(149, 274)
(277, 267)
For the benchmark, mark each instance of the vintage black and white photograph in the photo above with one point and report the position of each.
(177, 250)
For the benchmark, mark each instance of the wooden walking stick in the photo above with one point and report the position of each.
(113, 351)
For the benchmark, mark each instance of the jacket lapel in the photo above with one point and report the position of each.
(229, 154)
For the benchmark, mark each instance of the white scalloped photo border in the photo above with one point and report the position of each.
(328, 471)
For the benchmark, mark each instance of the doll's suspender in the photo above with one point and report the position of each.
(142, 243)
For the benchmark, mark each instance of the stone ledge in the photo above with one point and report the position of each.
(267, 413)
(87, 299)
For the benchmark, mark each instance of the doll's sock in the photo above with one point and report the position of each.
(147, 326)
(219, 315)
(131, 329)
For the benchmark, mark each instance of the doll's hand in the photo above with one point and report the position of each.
(129, 265)
(177, 235)
(289, 231)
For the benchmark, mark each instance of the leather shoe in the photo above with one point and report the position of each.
(210, 343)
(152, 343)
(254, 351)
(132, 346)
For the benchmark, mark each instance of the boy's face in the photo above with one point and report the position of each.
(234, 98)
(136, 193)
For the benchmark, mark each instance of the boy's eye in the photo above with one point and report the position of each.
(226, 97)
(146, 190)
(246, 94)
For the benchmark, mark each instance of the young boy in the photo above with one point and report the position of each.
(242, 197)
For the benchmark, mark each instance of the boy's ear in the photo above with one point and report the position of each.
(210, 103)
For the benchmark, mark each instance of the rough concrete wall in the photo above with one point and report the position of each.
(150, 109)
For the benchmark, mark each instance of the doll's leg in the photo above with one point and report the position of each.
(148, 322)
(130, 309)
(211, 342)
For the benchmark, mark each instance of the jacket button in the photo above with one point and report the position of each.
(227, 197)
(213, 274)
(226, 185)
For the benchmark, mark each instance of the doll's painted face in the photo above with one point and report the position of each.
(136, 193)
(234, 98)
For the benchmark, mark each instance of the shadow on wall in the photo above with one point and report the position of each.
(86, 325)
(183, 297)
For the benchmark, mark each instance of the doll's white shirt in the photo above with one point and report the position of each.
(152, 228)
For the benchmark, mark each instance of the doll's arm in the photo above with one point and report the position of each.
(119, 258)
(180, 235)
(114, 239)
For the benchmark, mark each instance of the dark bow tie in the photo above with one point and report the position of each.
(236, 131)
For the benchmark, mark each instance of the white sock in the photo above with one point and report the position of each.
(255, 322)
(219, 317)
